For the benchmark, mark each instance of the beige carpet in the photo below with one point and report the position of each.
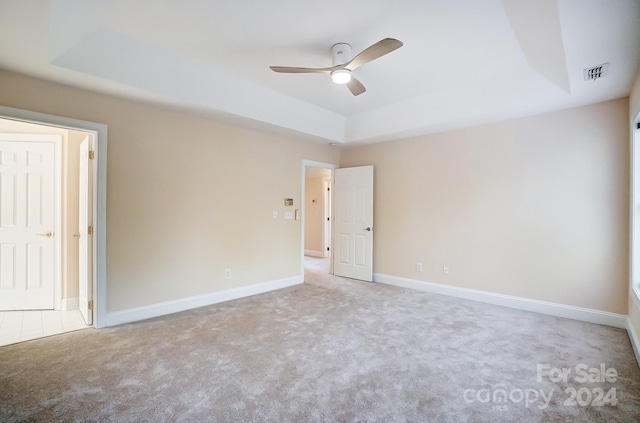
(331, 350)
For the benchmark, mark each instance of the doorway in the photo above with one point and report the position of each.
(317, 219)
(317, 222)
(25, 317)
(350, 241)
(98, 281)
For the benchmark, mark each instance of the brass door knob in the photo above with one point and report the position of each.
(46, 234)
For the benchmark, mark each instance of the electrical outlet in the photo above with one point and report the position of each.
(445, 270)
(418, 267)
(288, 215)
(227, 273)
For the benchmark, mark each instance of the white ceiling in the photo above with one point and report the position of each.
(464, 62)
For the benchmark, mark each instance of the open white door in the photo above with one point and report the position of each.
(353, 223)
(84, 221)
(27, 221)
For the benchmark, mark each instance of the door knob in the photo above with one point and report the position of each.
(46, 234)
(368, 229)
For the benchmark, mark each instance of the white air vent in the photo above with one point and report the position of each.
(596, 72)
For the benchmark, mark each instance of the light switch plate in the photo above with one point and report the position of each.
(288, 215)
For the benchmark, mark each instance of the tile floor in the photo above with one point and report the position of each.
(18, 326)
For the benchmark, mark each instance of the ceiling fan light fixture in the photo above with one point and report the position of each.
(341, 76)
(344, 64)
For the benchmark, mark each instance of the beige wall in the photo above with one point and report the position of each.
(314, 225)
(69, 259)
(187, 197)
(534, 207)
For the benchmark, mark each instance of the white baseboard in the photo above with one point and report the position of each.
(70, 303)
(169, 307)
(553, 309)
(312, 253)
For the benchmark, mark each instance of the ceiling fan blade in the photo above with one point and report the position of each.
(287, 69)
(355, 86)
(379, 49)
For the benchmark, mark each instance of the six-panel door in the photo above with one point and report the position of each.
(353, 233)
(26, 225)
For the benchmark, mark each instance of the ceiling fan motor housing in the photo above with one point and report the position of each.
(340, 53)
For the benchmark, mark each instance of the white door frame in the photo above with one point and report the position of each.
(99, 198)
(56, 140)
(85, 240)
(634, 243)
(327, 227)
(305, 165)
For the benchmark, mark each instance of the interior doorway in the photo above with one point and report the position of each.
(317, 222)
(317, 209)
(98, 275)
(317, 212)
(349, 238)
(17, 321)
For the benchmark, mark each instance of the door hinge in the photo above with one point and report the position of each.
(91, 155)
(90, 305)
(90, 230)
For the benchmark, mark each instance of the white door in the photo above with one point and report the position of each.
(27, 218)
(353, 223)
(85, 289)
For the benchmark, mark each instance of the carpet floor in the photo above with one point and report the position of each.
(330, 350)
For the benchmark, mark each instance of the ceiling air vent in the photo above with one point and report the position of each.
(596, 72)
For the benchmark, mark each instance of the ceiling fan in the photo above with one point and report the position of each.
(343, 65)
